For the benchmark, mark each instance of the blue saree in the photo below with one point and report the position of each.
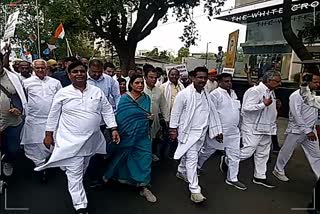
(130, 160)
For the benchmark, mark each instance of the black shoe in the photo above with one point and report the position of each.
(263, 182)
(82, 211)
(96, 183)
(223, 166)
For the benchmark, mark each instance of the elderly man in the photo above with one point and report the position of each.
(158, 105)
(259, 115)
(73, 128)
(212, 81)
(170, 89)
(40, 91)
(194, 120)
(301, 131)
(228, 108)
(12, 104)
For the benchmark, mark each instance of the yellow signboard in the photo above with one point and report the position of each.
(232, 49)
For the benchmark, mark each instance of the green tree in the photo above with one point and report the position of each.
(112, 20)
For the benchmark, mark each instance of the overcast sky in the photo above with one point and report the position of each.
(166, 36)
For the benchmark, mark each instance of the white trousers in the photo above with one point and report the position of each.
(189, 163)
(232, 149)
(310, 148)
(259, 146)
(75, 172)
(37, 152)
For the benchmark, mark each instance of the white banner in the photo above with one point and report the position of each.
(182, 68)
(228, 70)
(11, 26)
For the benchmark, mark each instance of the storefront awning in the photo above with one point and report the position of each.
(267, 10)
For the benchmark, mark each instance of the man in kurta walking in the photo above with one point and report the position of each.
(228, 107)
(158, 105)
(40, 90)
(193, 120)
(259, 115)
(75, 118)
(300, 131)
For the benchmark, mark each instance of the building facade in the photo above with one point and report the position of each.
(265, 47)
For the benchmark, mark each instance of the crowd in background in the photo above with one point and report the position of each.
(86, 117)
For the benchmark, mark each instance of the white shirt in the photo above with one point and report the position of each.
(254, 112)
(201, 111)
(302, 117)
(158, 105)
(40, 94)
(210, 86)
(75, 119)
(228, 107)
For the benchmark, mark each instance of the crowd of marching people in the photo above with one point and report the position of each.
(76, 114)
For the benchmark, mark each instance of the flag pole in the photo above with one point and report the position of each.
(38, 29)
(68, 47)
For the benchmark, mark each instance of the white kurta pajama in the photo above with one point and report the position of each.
(75, 118)
(228, 108)
(195, 117)
(40, 94)
(302, 120)
(257, 126)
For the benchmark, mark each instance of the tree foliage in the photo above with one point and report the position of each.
(162, 55)
(112, 20)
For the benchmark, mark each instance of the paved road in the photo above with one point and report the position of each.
(172, 194)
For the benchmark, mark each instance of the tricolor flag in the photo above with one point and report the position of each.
(59, 33)
(13, 3)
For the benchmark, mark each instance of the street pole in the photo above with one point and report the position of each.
(206, 65)
(38, 29)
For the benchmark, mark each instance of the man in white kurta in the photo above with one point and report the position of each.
(158, 105)
(259, 115)
(74, 119)
(228, 108)
(40, 91)
(300, 131)
(193, 121)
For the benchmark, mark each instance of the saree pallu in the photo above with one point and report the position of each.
(130, 160)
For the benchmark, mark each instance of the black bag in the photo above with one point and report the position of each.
(15, 101)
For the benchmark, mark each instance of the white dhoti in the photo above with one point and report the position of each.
(259, 146)
(231, 146)
(37, 152)
(75, 172)
(33, 134)
(189, 163)
(310, 148)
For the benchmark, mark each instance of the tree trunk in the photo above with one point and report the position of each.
(126, 52)
(292, 39)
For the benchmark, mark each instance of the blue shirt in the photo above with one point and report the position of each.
(109, 86)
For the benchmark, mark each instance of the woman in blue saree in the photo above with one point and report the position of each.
(130, 160)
